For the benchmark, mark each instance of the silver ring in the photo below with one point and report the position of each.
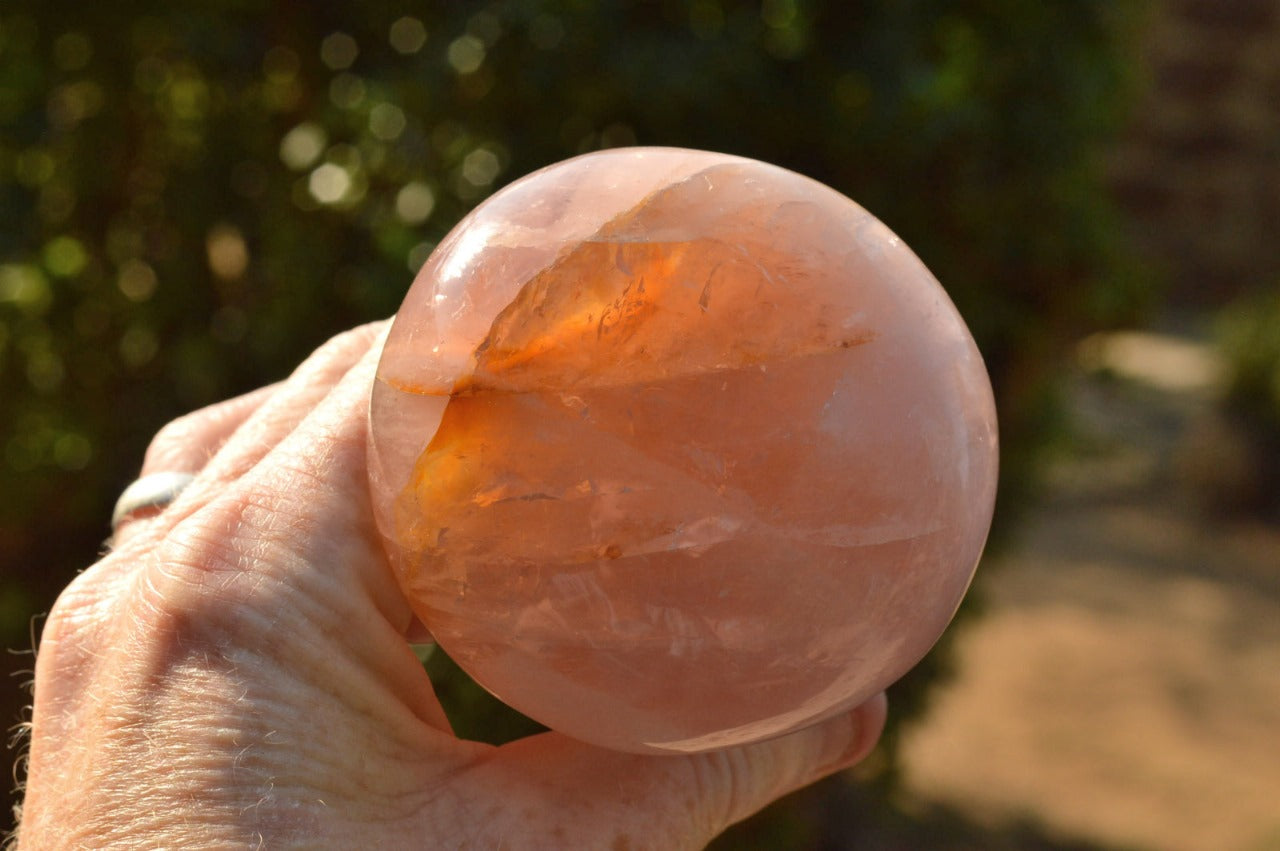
(149, 492)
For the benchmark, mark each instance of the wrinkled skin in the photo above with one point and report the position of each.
(234, 673)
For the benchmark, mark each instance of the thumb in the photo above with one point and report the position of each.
(675, 802)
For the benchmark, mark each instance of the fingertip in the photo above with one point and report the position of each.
(842, 741)
(868, 722)
(770, 769)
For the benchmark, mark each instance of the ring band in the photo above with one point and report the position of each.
(149, 492)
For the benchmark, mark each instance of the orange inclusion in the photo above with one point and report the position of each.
(577, 307)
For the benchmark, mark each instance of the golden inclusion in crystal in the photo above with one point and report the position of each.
(675, 450)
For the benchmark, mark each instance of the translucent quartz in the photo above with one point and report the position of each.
(674, 450)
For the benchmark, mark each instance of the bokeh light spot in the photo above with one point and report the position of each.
(65, 257)
(72, 451)
(227, 252)
(138, 345)
(188, 96)
(25, 287)
(415, 202)
(137, 280)
(481, 167)
(386, 121)
(338, 51)
(329, 183)
(408, 35)
(466, 54)
(151, 74)
(34, 166)
(303, 145)
(347, 91)
(72, 51)
(70, 104)
(45, 371)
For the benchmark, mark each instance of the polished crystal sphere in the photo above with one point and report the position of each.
(674, 450)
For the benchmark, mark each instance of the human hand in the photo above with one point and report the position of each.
(235, 673)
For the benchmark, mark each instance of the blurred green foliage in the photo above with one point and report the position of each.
(1248, 332)
(194, 195)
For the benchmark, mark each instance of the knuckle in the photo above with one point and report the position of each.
(224, 537)
(228, 548)
(338, 351)
(175, 433)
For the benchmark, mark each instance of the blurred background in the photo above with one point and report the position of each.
(194, 195)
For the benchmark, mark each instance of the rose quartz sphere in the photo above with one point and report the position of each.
(675, 450)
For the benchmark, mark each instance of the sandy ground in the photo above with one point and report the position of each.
(1124, 687)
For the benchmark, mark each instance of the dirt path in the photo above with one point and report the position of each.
(1125, 685)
